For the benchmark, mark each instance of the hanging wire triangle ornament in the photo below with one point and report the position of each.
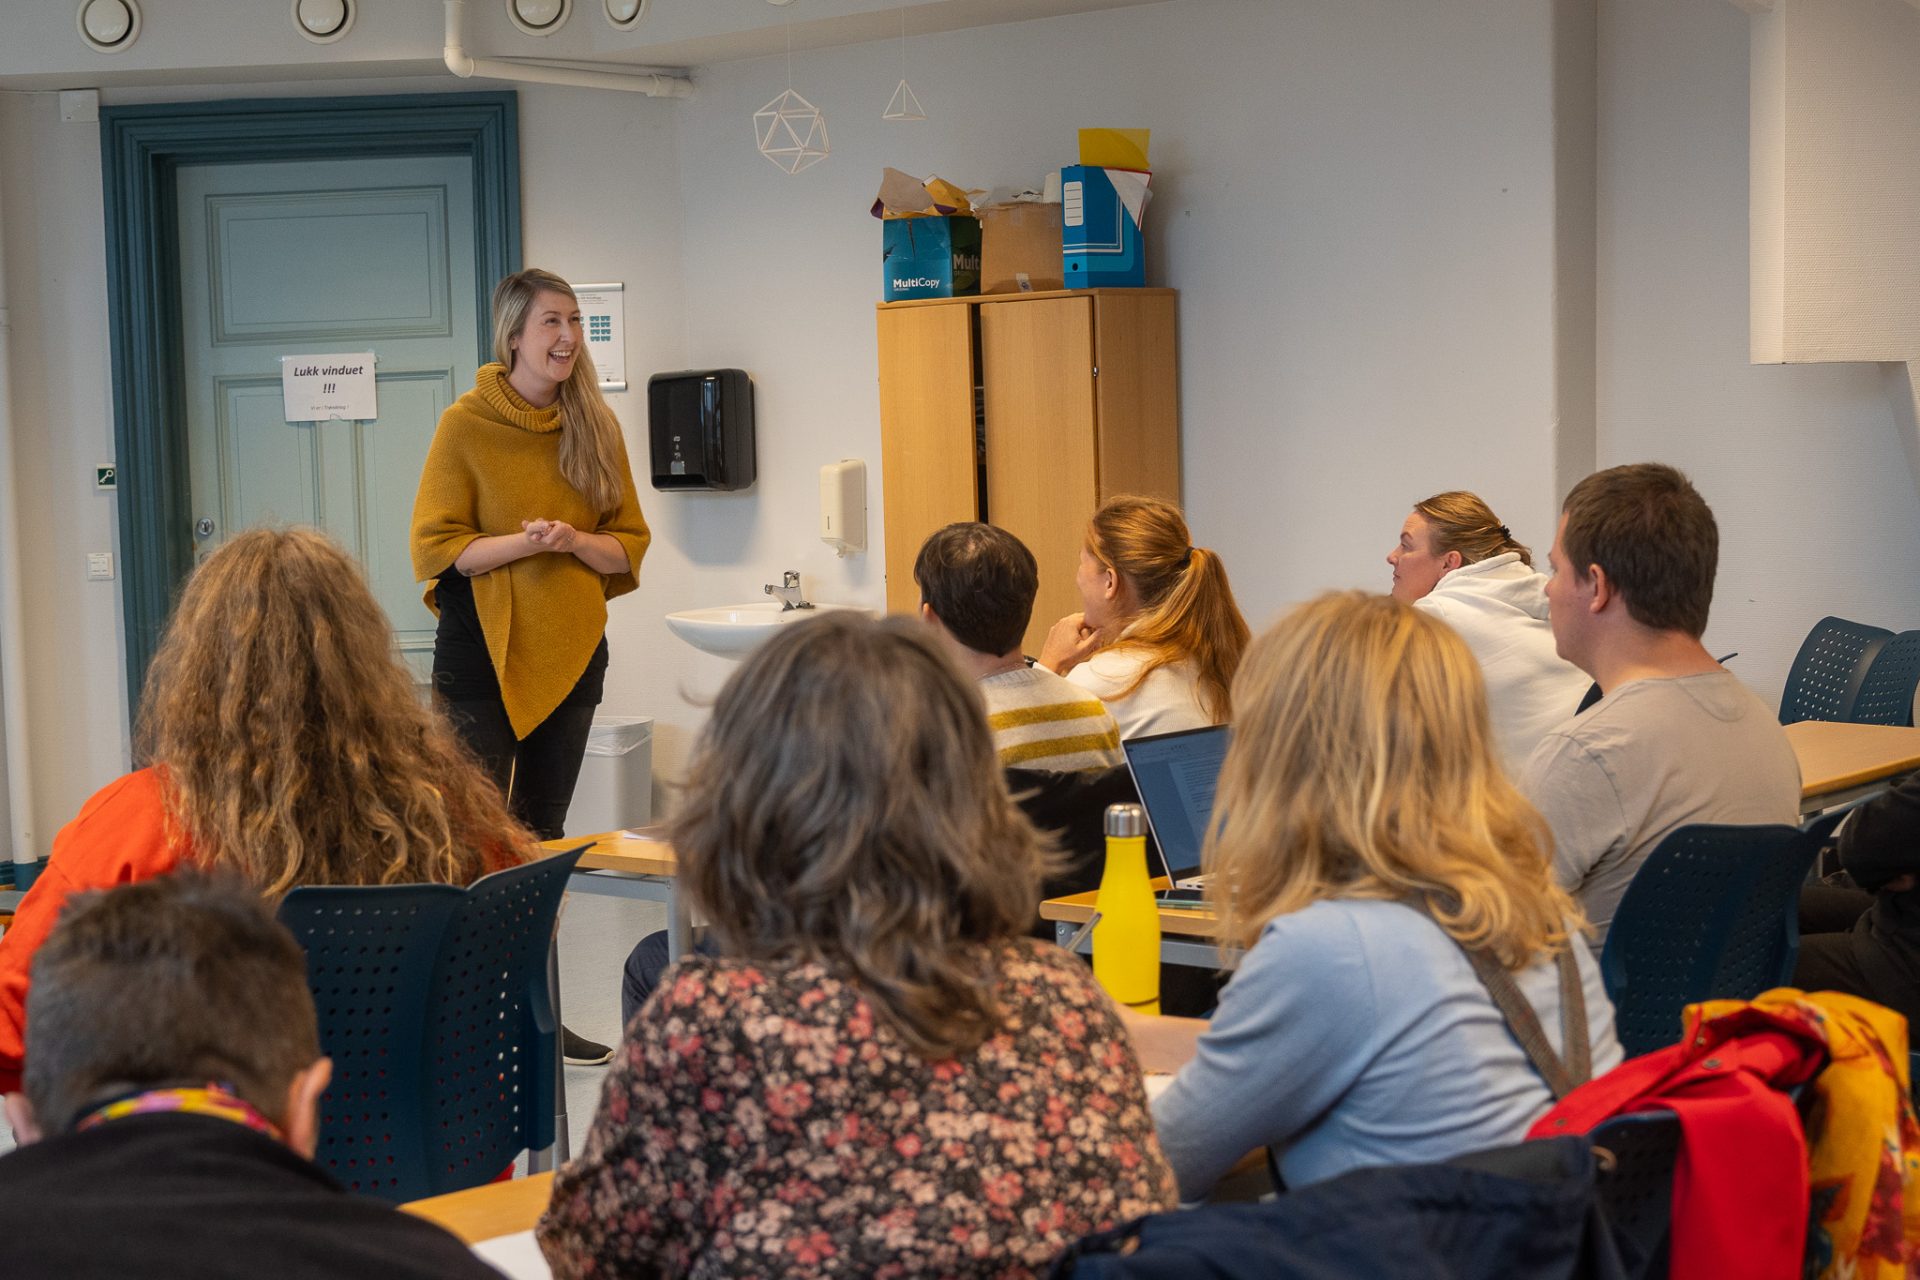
(791, 132)
(904, 106)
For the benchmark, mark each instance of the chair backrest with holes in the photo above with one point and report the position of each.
(1710, 915)
(1886, 691)
(435, 1009)
(1828, 671)
(495, 1069)
(1635, 1185)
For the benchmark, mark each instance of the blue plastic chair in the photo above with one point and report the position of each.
(1886, 691)
(1635, 1185)
(436, 1007)
(1827, 673)
(1712, 914)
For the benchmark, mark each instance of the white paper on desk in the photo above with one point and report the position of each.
(657, 832)
(1157, 1083)
(516, 1256)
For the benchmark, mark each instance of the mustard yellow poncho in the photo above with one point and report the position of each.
(495, 461)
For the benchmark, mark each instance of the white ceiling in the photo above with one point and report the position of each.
(243, 41)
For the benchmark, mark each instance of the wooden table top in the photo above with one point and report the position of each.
(1190, 922)
(1834, 757)
(496, 1209)
(616, 851)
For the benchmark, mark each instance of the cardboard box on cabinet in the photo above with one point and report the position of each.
(1020, 248)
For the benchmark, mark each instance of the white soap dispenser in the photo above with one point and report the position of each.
(843, 505)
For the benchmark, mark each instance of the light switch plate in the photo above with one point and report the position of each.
(99, 566)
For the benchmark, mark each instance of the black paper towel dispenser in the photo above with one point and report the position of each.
(700, 429)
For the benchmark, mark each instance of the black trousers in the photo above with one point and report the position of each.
(536, 773)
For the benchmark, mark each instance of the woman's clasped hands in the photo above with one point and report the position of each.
(551, 535)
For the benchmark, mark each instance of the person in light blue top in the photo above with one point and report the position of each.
(1386, 879)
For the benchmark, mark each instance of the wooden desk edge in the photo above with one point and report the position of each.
(490, 1211)
(1078, 909)
(1885, 766)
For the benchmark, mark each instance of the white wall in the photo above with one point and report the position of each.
(1353, 197)
(1802, 464)
(1357, 199)
(63, 427)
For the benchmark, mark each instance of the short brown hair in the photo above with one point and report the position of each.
(1463, 522)
(1655, 536)
(980, 581)
(845, 805)
(176, 981)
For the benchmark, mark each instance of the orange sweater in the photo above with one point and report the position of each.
(495, 461)
(119, 837)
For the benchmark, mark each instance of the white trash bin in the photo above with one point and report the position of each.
(616, 777)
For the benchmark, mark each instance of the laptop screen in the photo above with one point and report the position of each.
(1176, 774)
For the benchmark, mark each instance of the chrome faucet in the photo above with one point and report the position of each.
(789, 593)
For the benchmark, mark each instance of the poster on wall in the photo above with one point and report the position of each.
(603, 316)
(317, 388)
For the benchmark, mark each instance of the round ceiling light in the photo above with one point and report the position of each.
(625, 15)
(108, 26)
(323, 21)
(539, 17)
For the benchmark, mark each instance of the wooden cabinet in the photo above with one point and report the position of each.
(1027, 410)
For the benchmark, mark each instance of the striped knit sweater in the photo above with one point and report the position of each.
(1041, 721)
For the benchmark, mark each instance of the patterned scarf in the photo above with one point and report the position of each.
(213, 1099)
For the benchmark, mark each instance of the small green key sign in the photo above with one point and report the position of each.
(105, 476)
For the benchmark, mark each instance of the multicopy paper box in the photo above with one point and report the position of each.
(1101, 242)
(930, 257)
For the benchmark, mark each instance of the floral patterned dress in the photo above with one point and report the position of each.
(761, 1120)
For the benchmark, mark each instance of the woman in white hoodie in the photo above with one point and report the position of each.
(1458, 562)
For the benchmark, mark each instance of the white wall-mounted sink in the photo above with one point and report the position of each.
(734, 630)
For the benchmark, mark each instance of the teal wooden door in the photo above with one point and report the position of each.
(319, 258)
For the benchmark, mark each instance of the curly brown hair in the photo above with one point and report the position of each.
(291, 744)
(845, 805)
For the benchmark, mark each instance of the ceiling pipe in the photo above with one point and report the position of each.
(464, 64)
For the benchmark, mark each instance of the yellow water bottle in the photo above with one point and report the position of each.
(1126, 938)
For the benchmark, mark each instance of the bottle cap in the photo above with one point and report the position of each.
(1126, 820)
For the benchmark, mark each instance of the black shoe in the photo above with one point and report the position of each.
(582, 1052)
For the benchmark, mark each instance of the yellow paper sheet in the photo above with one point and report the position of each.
(1115, 148)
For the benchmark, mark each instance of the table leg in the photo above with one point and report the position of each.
(548, 1157)
(679, 923)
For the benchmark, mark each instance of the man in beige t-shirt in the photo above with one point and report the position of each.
(1676, 738)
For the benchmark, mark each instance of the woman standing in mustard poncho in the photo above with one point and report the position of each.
(525, 525)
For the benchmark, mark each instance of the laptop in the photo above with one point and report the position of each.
(1176, 774)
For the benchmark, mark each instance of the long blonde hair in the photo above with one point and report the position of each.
(1362, 766)
(1461, 521)
(591, 448)
(292, 746)
(1187, 611)
(845, 805)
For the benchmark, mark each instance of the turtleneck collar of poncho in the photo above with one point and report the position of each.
(493, 387)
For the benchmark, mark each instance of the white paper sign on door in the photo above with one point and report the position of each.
(603, 315)
(331, 386)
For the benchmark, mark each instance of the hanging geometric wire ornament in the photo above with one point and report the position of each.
(791, 132)
(904, 105)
